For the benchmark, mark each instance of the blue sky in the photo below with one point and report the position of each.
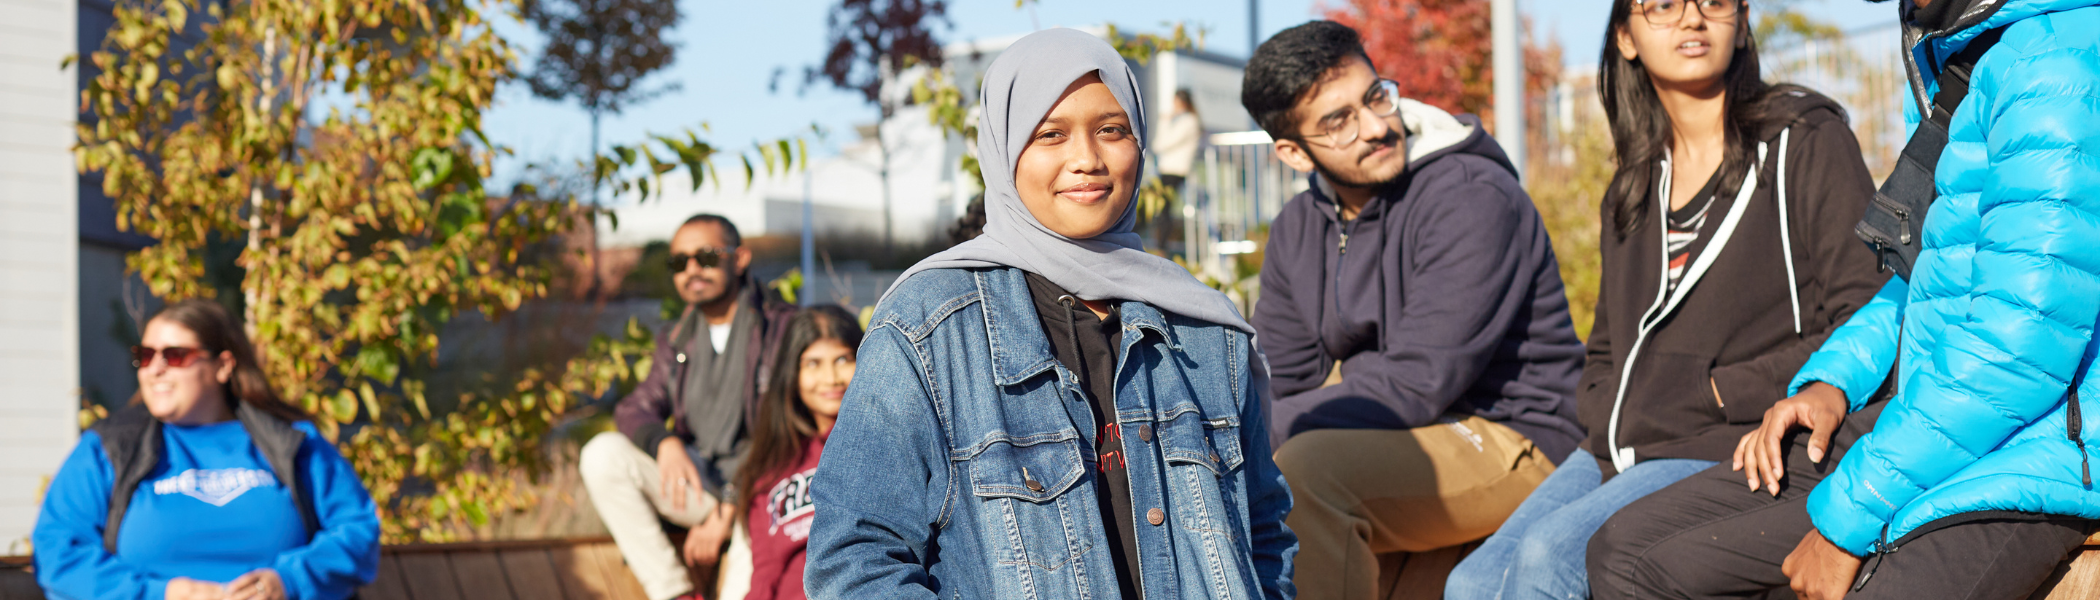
(729, 51)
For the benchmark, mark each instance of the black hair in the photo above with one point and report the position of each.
(784, 425)
(1641, 130)
(971, 224)
(1287, 67)
(729, 233)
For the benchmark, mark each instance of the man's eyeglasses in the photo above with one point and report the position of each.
(178, 357)
(1342, 128)
(709, 258)
(1664, 13)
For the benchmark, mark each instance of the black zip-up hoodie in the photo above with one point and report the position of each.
(1442, 297)
(1731, 326)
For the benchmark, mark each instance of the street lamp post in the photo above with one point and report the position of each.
(809, 242)
(1509, 81)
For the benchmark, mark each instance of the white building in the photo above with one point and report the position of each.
(39, 258)
(928, 188)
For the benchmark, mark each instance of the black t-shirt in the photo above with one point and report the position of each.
(1087, 345)
(1681, 228)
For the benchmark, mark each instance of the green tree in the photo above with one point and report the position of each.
(342, 142)
(868, 42)
(599, 51)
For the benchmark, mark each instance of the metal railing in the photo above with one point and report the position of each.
(1235, 191)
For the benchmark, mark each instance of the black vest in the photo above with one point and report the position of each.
(131, 436)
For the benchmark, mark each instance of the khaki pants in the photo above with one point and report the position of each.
(1359, 493)
(624, 486)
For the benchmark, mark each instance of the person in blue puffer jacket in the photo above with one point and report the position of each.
(1969, 481)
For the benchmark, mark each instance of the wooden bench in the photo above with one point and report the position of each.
(1421, 575)
(571, 569)
(584, 568)
(577, 569)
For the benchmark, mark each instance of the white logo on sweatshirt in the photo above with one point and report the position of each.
(214, 486)
(790, 503)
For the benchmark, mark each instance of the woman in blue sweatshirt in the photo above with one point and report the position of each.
(208, 486)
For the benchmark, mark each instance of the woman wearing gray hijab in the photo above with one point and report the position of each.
(1047, 411)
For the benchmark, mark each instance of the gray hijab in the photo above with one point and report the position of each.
(1020, 87)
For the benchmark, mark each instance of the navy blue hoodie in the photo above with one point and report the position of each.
(1442, 297)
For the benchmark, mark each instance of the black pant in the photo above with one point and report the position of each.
(1710, 536)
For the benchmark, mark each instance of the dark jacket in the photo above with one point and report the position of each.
(1731, 326)
(131, 437)
(1447, 299)
(642, 415)
(138, 502)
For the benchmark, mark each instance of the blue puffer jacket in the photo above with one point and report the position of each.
(2003, 304)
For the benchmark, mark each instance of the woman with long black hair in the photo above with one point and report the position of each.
(1728, 259)
(794, 419)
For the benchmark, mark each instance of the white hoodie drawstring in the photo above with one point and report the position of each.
(1666, 300)
(1786, 239)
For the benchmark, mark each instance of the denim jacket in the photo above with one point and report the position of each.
(963, 465)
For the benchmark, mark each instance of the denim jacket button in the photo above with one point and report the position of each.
(1033, 485)
(1155, 516)
(1145, 432)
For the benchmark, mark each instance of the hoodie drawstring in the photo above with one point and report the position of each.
(1072, 333)
(1786, 239)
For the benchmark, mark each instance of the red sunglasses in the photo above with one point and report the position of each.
(177, 357)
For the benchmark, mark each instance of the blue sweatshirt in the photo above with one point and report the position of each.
(212, 510)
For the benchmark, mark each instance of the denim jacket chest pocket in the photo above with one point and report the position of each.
(1026, 464)
(1198, 419)
(1192, 438)
(1034, 469)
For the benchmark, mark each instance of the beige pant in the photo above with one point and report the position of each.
(624, 485)
(1359, 493)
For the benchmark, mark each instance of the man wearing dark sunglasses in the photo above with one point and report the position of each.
(1424, 364)
(684, 430)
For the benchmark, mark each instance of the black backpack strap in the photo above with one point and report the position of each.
(1895, 220)
(1955, 75)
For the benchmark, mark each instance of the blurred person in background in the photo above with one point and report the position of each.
(1944, 453)
(787, 438)
(208, 486)
(1728, 257)
(684, 429)
(1179, 138)
(1048, 411)
(1412, 309)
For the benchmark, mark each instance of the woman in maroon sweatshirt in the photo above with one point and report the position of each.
(795, 414)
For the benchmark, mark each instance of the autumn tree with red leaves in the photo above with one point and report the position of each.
(1441, 52)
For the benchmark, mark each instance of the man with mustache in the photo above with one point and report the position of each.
(1424, 364)
(684, 429)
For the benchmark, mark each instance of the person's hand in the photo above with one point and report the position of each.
(675, 472)
(259, 584)
(703, 543)
(1819, 407)
(1818, 569)
(184, 588)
